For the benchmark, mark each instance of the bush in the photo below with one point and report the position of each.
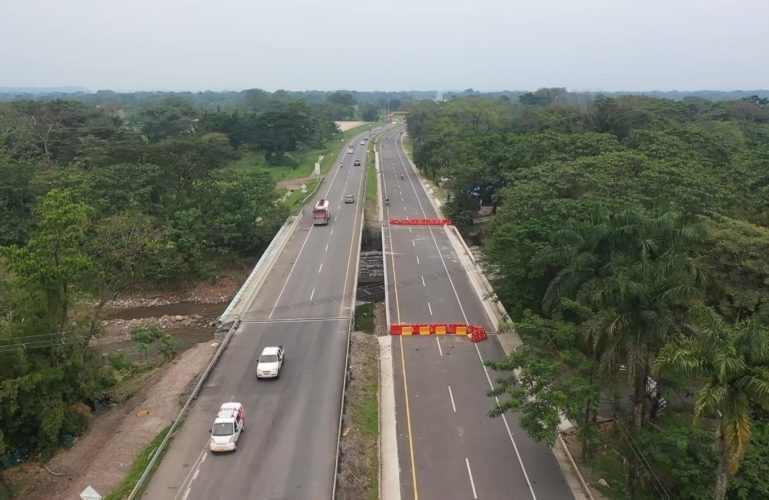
(118, 361)
(281, 160)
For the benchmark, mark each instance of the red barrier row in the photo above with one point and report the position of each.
(476, 333)
(421, 222)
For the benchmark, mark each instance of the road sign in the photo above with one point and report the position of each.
(90, 494)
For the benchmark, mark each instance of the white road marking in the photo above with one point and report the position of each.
(470, 473)
(409, 229)
(195, 467)
(332, 230)
(430, 308)
(451, 281)
(423, 281)
(451, 395)
(326, 247)
(312, 294)
(290, 272)
(195, 476)
(507, 426)
(321, 267)
(439, 346)
(187, 493)
(413, 244)
(417, 259)
(295, 320)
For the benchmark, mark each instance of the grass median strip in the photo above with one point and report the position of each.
(137, 469)
(359, 467)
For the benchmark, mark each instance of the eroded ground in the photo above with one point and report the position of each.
(103, 455)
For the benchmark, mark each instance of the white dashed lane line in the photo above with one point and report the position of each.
(470, 473)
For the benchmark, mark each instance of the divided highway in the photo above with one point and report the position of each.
(448, 447)
(288, 450)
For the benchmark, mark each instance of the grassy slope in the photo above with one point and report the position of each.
(125, 486)
(306, 159)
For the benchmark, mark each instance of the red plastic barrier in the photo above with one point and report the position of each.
(477, 334)
(439, 328)
(421, 222)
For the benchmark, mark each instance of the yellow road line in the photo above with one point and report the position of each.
(403, 366)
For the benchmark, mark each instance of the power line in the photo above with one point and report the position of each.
(656, 481)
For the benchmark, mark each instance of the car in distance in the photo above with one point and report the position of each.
(349, 150)
(356, 163)
(229, 425)
(348, 198)
(362, 143)
(270, 362)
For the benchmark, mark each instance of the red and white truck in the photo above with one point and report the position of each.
(320, 213)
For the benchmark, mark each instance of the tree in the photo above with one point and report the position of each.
(168, 346)
(173, 116)
(752, 479)
(16, 199)
(341, 105)
(54, 258)
(733, 362)
(370, 112)
(190, 158)
(283, 130)
(122, 248)
(552, 375)
(635, 273)
(145, 337)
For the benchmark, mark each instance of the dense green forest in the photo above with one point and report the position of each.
(338, 105)
(99, 200)
(629, 243)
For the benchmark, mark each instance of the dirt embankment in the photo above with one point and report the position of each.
(359, 466)
(344, 126)
(115, 437)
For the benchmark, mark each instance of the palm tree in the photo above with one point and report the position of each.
(633, 271)
(733, 361)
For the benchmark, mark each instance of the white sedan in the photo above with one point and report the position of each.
(270, 362)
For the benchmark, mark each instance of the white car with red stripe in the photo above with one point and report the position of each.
(229, 425)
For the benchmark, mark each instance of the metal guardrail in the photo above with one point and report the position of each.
(280, 237)
(193, 395)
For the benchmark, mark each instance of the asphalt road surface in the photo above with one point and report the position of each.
(448, 447)
(288, 450)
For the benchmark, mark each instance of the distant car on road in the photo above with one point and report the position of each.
(270, 362)
(362, 143)
(356, 163)
(348, 198)
(229, 425)
(349, 150)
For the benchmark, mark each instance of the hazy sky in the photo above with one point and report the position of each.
(385, 45)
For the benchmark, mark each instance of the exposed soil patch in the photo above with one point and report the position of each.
(115, 437)
(104, 454)
(344, 126)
